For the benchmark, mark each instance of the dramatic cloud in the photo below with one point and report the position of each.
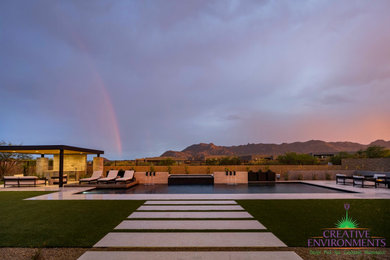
(136, 78)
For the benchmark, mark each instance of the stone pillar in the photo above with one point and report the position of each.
(98, 163)
(42, 166)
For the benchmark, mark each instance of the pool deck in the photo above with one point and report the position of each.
(71, 194)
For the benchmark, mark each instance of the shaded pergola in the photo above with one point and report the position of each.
(60, 150)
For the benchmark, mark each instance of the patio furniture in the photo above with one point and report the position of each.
(111, 176)
(56, 179)
(23, 180)
(340, 178)
(128, 176)
(94, 178)
(358, 180)
(381, 179)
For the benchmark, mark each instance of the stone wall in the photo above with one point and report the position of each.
(279, 169)
(367, 164)
(222, 178)
(160, 178)
(314, 175)
(72, 162)
(42, 166)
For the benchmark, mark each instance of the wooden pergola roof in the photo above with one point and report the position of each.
(47, 149)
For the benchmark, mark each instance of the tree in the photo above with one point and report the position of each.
(8, 161)
(376, 152)
(336, 160)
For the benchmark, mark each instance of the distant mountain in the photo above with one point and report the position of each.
(199, 151)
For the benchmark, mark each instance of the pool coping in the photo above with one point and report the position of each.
(359, 193)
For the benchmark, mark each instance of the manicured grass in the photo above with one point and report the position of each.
(294, 221)
(57, 223)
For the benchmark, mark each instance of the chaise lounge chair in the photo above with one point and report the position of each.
(94, 178)
(128, 176)
(111, 176)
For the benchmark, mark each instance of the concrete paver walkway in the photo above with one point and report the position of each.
(212, 216)
(190, 239)
(194, 214)
(191, 207)
(189, 202)
(191, 224)
(190, 255)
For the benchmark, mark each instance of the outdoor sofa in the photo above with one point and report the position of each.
(94, 178)
(20, 180)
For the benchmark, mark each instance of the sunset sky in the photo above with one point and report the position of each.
(137, 78)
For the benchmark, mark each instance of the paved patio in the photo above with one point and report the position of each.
(72, 194)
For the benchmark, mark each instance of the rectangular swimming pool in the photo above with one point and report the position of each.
(219, 189)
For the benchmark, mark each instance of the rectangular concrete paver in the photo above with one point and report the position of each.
(191, 224)
(190, 255)
(190, 202)
(192, 207)
(194, 214)
(190, 239)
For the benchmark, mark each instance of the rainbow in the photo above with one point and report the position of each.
(113, 121)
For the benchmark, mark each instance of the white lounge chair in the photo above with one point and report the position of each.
(95, 176)
(111, 176)
(127, 177)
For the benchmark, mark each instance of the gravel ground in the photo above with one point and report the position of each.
(41, 253)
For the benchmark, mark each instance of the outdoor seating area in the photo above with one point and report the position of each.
(113, 176)
(20, 180)
(363, 181)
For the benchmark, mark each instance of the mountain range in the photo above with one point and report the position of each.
(200, 151)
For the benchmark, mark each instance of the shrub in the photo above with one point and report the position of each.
(285, 176)
(186, 169)
(297, 159)
(300, 176)
(314, 176)
(167, 162)
(327, 176)
(169, 169)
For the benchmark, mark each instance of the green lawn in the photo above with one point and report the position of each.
(57, 223)
(294, 221)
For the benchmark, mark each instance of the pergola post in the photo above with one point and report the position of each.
(61, 169)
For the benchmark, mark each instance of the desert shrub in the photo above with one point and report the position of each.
(297, 159)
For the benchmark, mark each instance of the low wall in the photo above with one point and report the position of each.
(368, 164)
(222, 178)
(160, 178)
(314, 175)
(278, 169)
